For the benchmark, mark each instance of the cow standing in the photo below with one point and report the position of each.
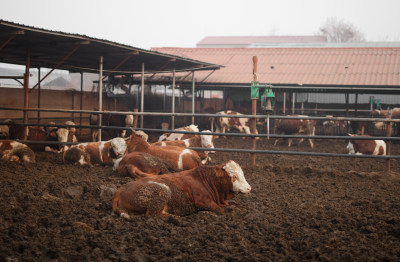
(182, 193)
(111, 120)
(96, 153)
(15, 151)
(366, 147)
(295, 127)
(223, 124)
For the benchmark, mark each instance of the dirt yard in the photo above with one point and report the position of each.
(300, 208)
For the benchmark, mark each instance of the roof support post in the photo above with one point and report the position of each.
(284, 103)
(38, 97)
(100, 97)
(193, 95)
(58, 64)
(173, 100)
(26, 89)
(142, 98)
(80, 102)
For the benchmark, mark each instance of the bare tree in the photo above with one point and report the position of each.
(340, 31)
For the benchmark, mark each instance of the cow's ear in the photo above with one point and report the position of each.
(234, 178)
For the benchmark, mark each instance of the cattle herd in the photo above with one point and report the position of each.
(169, 178)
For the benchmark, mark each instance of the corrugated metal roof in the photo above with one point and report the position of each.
(48, 48)
(360, 66)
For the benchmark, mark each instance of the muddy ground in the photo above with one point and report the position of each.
(300, 208)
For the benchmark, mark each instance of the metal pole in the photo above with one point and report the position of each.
(26, 90)
(193, 100)
(100, 96)
(80, 102)
(38, 113)
(284, 102)
(254, 112)
(142, 98)
(388, 143)
(293, 102)
(173, 100)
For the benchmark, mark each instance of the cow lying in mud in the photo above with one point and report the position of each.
(366, 147)
(139, 164)
(180, 158)
(205, 141)
(15, 151)
(96, 153)
(179, 136)
(182, 193)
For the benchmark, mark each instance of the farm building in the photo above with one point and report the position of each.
(339, 78)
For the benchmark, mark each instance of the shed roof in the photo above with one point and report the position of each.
(247, 40)
(349, 67)
(47, 48)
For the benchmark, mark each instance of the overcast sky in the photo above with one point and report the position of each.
(183, 23)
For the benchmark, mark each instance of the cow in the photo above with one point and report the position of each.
(11, 150)
(179, 136)
(223, 124)
(140, 164)
(182, 193)
(331, 127)
(295, 127)
(5, 129)
(111, 120)
(96, 153)
(366, 147)
(181, 158)
(39, 134)
(205, 141)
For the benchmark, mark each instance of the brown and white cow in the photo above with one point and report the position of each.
(11, 150)
(179, 136)
(205, 141)
(182, 193)
(140, 164)
(111, 120)
(223, 124)
(96, 153)
(366, 147)
(295, 127)
(39, 134)
(181, 158)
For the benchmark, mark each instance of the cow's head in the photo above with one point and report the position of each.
(207, 141)
(238, 180)
(118, 146)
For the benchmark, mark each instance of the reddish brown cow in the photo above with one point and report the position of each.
(366, 147)
(181, 158)
(182, 193)
(14, 151)
(223, 124)
(295, 127)
(139, 164)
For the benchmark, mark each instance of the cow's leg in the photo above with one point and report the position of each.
(311, 142)
(290, 140)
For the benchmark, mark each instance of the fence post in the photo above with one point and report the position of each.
(388, 134)
(254, 112)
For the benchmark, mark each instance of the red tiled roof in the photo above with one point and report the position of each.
(358, 66)
(245, 40)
